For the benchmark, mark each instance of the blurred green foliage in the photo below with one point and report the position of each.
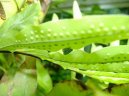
(25, 82)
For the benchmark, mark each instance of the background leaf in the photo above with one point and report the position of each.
(43, 79)
(23, 84)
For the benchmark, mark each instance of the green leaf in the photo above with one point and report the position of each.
(43, 78)
(111, 77)
(22, 84)
(120, 90)
(108, 74)
(20, 3)
(69, 88)
(9, 7)
(67, 33)
(12, 27)
(105, 55)
(19, 21)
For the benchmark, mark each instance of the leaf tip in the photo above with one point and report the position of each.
(76, 10)
(55, 17)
